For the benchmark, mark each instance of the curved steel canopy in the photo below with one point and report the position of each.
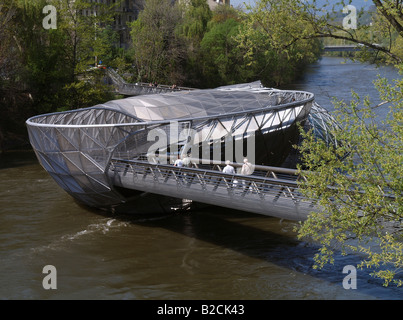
(77, 147)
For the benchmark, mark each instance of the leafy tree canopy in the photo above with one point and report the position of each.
(358, 184)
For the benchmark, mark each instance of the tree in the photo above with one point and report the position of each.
(42, 54)
(84, 37)
(87, 33)
(270, 36)
(42, 69)
(378, 36)
(222, 59)
(288, 22)
(158, 48)
(105, 47)
(7, 64)
(358, 184)
(196, 16)
(32, 72)
(11, 94)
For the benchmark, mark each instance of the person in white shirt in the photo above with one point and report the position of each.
(186, 162)
(228, 168)
(178, 162)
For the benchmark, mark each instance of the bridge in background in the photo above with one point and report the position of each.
(140, 88)
(348, 48)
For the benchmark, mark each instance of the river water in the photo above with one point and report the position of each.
(211, 254)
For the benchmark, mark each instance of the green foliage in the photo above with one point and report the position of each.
(105, 46)
(31, 66)
(376, 34)
(222, 59)
(188, 44)
(87, 35)
(158, 49)
(41, 70)
(287, 22)
(196, 17)
(275, 37)
(357, 182)
(85, 92)
(192, 28)
(361, 194)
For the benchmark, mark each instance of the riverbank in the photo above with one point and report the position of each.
(10, 141)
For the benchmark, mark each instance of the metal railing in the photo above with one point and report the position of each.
(258, 193)
(215, 165)
(140, 88)
(266, 180)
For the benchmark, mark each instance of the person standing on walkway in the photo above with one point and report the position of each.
(228, 168)
(247, 168)
(186, 162)
(178, 162)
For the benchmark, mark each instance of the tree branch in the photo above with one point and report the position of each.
(392, 20)
(358, 41)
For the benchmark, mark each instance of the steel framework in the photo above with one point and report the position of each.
(82, 148)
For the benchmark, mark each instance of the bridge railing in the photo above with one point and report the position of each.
(275, 190)
(208, 180)
(139, 88)
(215, 165)
(164, 86)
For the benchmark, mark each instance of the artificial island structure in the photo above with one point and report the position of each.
(119, 155)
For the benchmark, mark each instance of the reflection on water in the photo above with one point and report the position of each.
(211, 254)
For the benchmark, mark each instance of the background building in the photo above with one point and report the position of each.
(126, 12)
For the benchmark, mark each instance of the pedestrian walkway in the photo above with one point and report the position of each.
(140, 88)
(269, 191)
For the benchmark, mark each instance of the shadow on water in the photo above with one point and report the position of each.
(276, 243)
